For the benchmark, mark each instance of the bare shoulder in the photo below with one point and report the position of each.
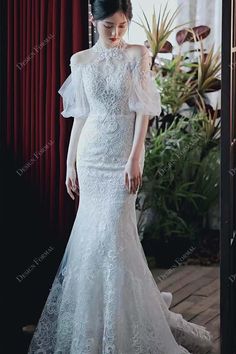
(87, 55)
(137, 50)
(81, 57)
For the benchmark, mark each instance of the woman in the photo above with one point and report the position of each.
(104, 299)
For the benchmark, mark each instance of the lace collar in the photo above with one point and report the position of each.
(111, 52)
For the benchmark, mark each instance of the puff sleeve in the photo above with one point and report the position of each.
(145, 96)
(72, 91)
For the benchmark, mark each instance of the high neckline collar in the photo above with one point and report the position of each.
(99, 46)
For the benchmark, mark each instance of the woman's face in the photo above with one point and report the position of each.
(112, 28)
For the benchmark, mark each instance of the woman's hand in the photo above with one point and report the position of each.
(133, 175)
(72, 184)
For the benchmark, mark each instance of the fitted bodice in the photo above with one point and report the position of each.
(108, 92)
(107, 86)
(107, 80)
(112, 82)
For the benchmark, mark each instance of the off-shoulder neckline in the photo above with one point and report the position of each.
(131, 60)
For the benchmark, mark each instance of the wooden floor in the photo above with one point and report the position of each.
(196, 295)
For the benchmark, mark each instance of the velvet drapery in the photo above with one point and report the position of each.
(41, 37)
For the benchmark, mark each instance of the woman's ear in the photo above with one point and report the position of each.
(91, 19)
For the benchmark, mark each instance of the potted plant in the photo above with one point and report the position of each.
(181, 171)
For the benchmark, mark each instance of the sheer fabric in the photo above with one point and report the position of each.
(145, 97)
(75, 102)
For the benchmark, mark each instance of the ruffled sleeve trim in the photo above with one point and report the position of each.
(72, 91)
(145, 96)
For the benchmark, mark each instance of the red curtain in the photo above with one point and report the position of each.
(41, 37)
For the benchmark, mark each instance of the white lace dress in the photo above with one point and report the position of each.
(104, 299)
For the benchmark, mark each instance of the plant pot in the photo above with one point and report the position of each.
(168, 253)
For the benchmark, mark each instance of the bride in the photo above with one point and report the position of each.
(104, 299)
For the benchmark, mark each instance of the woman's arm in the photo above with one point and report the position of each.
(140, 131)
(74, 139)
(72, 183)
(145, 101)
(133, 175)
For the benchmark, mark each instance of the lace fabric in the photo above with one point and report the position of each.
(104, 299)
(143, 96)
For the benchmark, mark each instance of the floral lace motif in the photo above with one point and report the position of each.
(104, 299)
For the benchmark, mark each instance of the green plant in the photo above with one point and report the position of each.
(181, 171)
(208, 66)
(183, 82)
(160, 30)
(177, 85)
(175, 180)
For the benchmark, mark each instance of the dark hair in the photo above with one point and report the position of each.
(106, 8)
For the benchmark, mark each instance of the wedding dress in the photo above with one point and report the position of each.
(104, 299)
